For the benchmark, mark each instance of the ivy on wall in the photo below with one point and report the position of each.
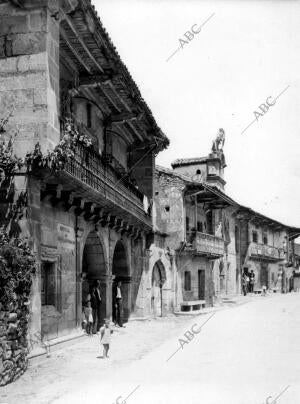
(63, 151)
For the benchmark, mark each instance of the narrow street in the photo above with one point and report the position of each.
(242, 355)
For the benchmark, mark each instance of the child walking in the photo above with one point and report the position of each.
(105, 337)
(88, 312)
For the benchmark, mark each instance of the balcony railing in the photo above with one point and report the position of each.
(206, 244)
(266, 252)
(88, 167)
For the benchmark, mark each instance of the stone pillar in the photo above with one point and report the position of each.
(29, 73)
(108, 296)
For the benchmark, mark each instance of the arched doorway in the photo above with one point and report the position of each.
(157, 281)
(93, 269)
(120, 272)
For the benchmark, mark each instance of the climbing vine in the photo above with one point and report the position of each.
(62, 153)
(17, 265)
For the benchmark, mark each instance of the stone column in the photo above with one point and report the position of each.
(108, 295)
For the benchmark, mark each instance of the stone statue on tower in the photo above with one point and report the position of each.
(219, 141)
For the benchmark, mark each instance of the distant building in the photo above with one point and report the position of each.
(294, 263)
(262, 247)
(213, 239)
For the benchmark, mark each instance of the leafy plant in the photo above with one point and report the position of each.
(62, 153)
(9, 162)
(17, 265)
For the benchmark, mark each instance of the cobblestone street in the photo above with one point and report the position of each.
(262, 334)
(81, 362)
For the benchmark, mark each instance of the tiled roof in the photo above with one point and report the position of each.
(168, 171)
(188, 161)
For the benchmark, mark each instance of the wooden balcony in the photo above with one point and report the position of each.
(265, 252)
(97, 191)
(205, 245)
(106, 185)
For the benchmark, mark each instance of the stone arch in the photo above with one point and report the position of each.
(94, 268)
(158, 279)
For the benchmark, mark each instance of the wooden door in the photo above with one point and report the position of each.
(264, 275)
(201, 284)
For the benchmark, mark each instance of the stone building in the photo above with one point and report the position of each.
(93, 217)
(195, 215)
(294, 261)
(213, 239)
(263, 246)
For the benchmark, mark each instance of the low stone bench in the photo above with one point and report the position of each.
(192, 305)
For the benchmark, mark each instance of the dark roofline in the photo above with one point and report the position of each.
(295, 231)
(128, 76)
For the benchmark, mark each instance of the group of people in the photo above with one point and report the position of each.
(248, 282)
(91, 303)
(91, 313)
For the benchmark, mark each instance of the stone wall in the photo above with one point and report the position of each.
(169, 212)
(13, 344)
(29, 74)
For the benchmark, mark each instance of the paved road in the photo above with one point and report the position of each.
(245, 355)
(242, 355)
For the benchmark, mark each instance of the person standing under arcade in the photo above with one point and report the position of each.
(96, 306)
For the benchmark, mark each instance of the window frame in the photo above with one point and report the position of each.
(254, 236)
(55, 263)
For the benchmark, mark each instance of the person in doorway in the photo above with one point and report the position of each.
(252, 281)
(85, 289)
(244, 283)
(248, 282)
(118, 303)
(105, 337)
(88, 312)
(96, 306)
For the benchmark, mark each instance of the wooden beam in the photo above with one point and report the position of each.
(83, 45)
(73, 50)
(94, 80)
(121, 117)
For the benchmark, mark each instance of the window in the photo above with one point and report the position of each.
(89, 115)
(187, 280)
(167, 208)
(200, 227)
(265, 238)
(48, 284)
(198, 172)
(209, 222)
(254, 236)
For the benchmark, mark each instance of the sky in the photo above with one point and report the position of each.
(244, 53)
